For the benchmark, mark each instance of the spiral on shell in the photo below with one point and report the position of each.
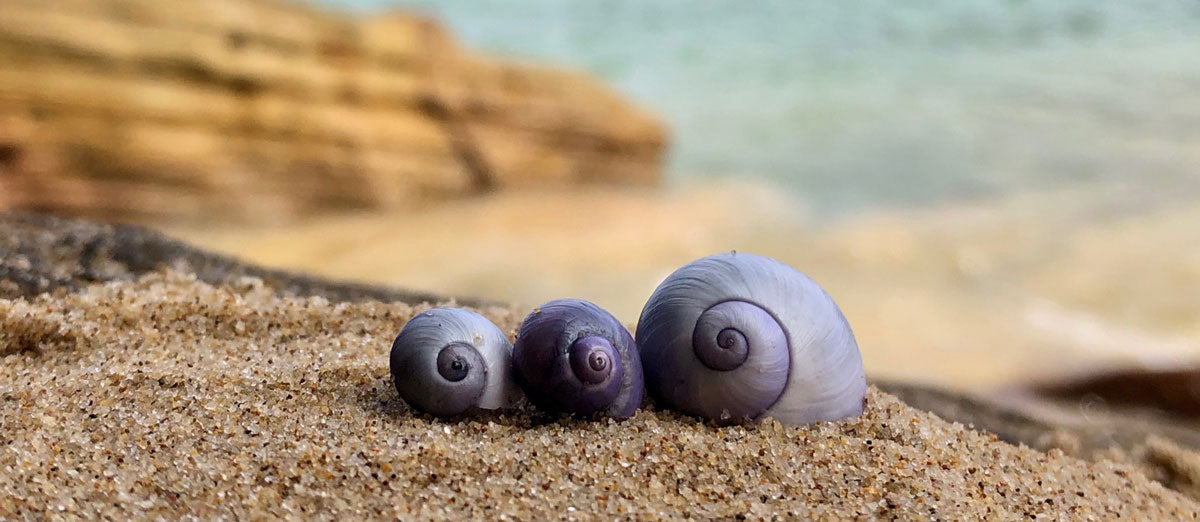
(447, 361)
(571, 356)
(739, 337)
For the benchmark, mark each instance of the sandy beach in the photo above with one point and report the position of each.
(215, 217)
(168, 396)
(974, 296)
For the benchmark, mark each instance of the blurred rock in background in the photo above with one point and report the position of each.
(261, 111)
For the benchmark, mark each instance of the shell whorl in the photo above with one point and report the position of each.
(572, 356)
(594, 360)
(448, 360)
(735, 337)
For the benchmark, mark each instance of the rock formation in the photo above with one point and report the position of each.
(40, 254)
(261, 110)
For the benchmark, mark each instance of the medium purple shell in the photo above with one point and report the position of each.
(737, 337)
(571, 356)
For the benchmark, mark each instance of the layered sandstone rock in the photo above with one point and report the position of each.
(259, 110)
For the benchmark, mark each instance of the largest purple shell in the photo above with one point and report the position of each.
(571, 356)
(737, 337)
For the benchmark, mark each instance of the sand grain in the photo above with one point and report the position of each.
(168, 396)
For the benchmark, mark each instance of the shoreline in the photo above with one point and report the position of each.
(972, 297)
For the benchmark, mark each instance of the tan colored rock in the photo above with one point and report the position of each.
(260, 110)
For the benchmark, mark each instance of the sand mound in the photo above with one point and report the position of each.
(168, 396)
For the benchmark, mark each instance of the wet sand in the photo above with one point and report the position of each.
(169, 396)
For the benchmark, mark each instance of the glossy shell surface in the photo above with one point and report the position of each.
(448, 360)
(740, 337)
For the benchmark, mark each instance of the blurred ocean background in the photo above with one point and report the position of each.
(860, 105)
(992, 190)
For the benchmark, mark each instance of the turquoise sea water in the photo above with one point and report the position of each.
(878, 103)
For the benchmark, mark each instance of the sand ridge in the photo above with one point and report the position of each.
(167, 397)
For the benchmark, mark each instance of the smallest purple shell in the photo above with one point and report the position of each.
(572, 356)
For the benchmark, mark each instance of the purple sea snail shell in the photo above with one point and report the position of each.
(571, 356)
(739, 337)
(449, 360)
